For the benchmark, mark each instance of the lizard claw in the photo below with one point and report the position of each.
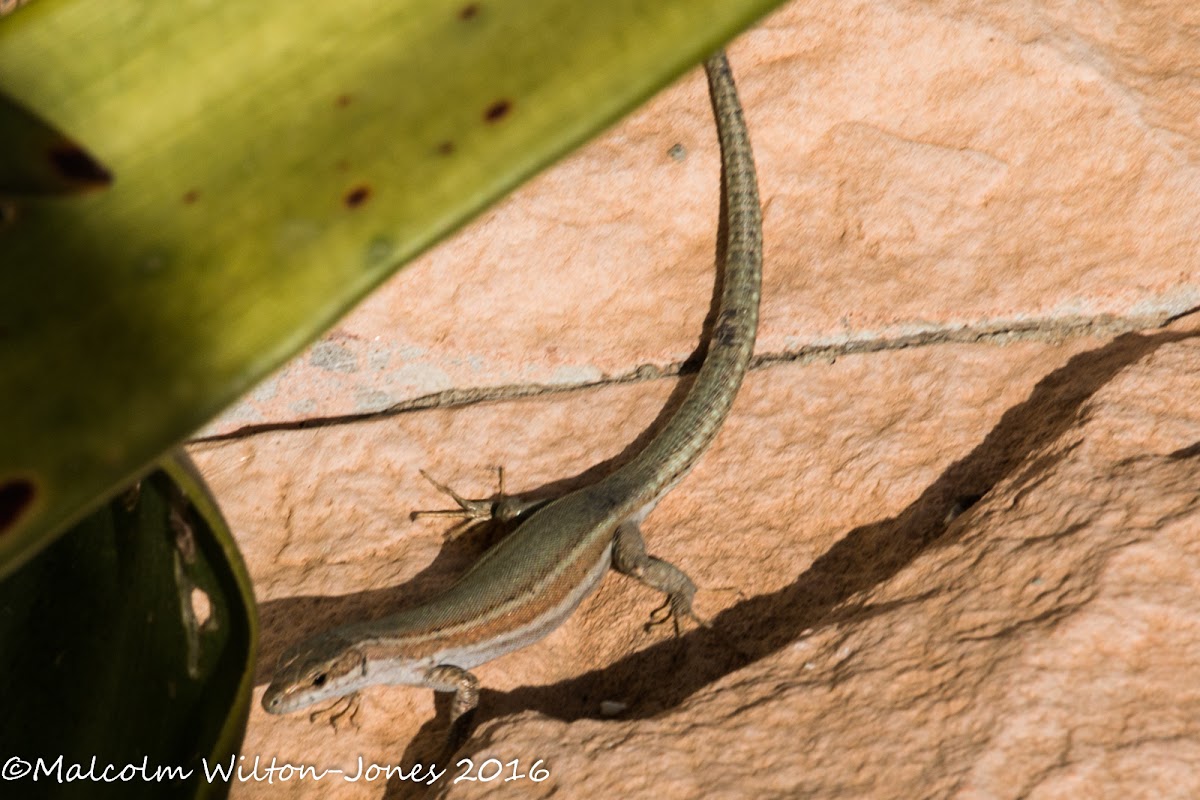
(660, 615)
(669, 612)
(666, 612)
(343, 708)
(502, 507)
(468, 510)
(734, 590)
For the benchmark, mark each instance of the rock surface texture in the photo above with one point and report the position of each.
(949, 540)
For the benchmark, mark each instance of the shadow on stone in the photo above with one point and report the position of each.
(662, 675)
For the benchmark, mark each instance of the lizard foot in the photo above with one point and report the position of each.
(673, 610)
(468, 510)
(500, 507)
(630, 558)
(666, 612)
(344, 708)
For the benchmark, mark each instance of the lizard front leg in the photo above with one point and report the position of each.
(630, 558)
(449, 678)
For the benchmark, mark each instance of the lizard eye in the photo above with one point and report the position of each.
(319, 681)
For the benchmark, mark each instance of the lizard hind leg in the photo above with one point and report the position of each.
(630, 558)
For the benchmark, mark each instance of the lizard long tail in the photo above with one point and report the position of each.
(679, 444)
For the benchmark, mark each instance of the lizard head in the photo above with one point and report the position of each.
(323, 667)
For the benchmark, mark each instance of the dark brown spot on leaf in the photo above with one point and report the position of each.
(342, 165)
(357, 196)
(191, 196)
(76, 165)
(445, 148)
(8, 214)
(469, 11)
(16, 495)
(497, 111)
(343, 100)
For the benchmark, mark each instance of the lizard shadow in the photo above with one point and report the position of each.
(756, 627)
(823, 595)
(290, 620)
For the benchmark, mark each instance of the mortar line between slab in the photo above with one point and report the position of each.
(998, 334)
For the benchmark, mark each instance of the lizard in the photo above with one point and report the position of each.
(526, 585)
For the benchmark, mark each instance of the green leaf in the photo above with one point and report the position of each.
(273, 161)
(132, 636)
